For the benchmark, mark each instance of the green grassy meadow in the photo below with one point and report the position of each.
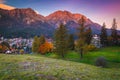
(37, 67)
(112, 55)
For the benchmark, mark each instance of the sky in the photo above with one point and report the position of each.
(98, 11)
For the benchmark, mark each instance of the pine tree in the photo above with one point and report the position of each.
(35, 44)
(60, 41)
(41, 40)
(70, 42)
(88, 35)
(81, 37)
(114, 34)
(103, 36)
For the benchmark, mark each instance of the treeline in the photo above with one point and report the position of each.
(64, 42)
(40, 45)
(113, 39)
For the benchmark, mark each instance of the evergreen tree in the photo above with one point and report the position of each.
(81, 37)
(35, 44)
(114, 33)
(118, 39)
(60, 41)
(41, 40)
(70, 42)
(88, 35)
(103, 36)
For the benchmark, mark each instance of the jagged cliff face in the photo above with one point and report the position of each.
(27, 16)
(65, 17)
(23, 16)
(71, 21)
(26, 22)
(18, 22)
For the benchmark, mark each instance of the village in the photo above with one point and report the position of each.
(17, 45)
(24, 46)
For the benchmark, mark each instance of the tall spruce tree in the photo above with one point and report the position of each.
(70, 42)
(35, 44)
(103, 35)
(60, 40)
(81, 37)
(114, 34)
(88, 35)
(41, 40)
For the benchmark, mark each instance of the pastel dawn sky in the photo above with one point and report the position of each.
(98, 11)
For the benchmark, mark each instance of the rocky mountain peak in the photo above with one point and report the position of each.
(26, 15)
(65, 17)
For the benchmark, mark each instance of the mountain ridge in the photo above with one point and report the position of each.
(18, 22)
(26, 21)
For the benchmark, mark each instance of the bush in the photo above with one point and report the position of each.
(91, 47)
(21, 51)
(101, 62)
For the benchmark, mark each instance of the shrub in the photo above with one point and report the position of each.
(91, 47)
(101, 62)
(21, 51)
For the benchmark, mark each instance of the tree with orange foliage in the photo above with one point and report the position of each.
(46, 47)
(3, 48)
(38, 41)
(0, 48)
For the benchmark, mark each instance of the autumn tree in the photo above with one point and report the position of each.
(3, 48)
(0, 48)
(60, 40)
(114, 34)
(6, 44)
(37, 42)
(70, 42)
(88, 35)
(45, 47)
(103, 35)
(80, 44)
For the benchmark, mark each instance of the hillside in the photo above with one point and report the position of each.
(30, 67)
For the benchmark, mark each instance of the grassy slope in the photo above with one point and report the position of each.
(30, 67)
(112, 54)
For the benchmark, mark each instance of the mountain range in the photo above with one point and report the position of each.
(26, 22)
